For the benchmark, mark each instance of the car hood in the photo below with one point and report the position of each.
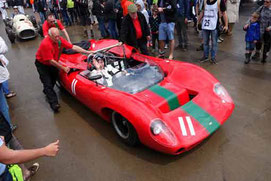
(190, 116)
(23, 25)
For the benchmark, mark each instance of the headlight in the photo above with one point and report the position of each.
(222, 93)
(162, 134)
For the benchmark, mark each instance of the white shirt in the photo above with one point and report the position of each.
(210, 16)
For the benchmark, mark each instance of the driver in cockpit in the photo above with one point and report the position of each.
(106, 72)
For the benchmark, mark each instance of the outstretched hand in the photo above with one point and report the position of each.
(52, 149)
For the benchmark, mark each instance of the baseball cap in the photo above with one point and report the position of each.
(132, 8)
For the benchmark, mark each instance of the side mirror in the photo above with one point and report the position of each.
(95, 77)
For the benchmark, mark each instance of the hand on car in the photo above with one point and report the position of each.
(66, 69)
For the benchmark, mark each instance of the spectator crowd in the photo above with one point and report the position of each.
(156, 30)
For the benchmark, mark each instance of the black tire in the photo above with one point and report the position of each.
(8, 22)
(40, 29)
(11, 35)
(124, 129)
(32, 18)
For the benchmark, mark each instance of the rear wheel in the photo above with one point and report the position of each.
(124, 129)
(11, 35)
(32, 18)
(40, 29)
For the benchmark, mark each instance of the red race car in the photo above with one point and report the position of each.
(170, 106)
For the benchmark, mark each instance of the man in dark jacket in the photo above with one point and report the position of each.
(111, 15)
(98, 11)
(63, 10)
(167, 10)
(135, 30)
(41, 8)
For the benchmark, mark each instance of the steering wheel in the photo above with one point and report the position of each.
(89, 58)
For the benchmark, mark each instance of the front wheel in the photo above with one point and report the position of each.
(124, 129)
(11, 35)
(33, 20)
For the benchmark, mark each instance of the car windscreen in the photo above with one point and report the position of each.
(138, 78)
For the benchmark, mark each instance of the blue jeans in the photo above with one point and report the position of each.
(102, 27)
(206, 38)
(42, 17)
(5, 87)
(66, 17)
(166, 31)
(112, 28)
(4, 106)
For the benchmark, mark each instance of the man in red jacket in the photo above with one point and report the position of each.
(52, 22)
(47, 63)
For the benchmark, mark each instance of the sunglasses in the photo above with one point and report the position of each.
(267, 1)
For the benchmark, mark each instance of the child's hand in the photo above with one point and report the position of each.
(255, 41)
(246, 26)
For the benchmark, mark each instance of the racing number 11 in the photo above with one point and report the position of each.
(190, 126)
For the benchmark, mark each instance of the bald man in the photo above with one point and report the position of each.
(47, 64)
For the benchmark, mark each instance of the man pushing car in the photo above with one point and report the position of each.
(51, 22)
(47, 64)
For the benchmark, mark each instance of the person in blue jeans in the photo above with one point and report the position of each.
(167, 10)
(4, 109)
(98, 10)
(4, 76)
(110, 13)
(252, 35)
(8, 93)
(209, 18)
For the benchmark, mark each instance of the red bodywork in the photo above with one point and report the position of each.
(190, 108)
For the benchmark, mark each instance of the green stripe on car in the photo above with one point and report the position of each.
(203, 117)
(171, 97)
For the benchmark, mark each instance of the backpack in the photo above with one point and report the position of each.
(16, 172)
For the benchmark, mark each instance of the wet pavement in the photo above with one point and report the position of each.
(90, 150)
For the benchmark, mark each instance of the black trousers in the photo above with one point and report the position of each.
(48, 76)
(266, 43)
(142, 45)
(155, 38)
